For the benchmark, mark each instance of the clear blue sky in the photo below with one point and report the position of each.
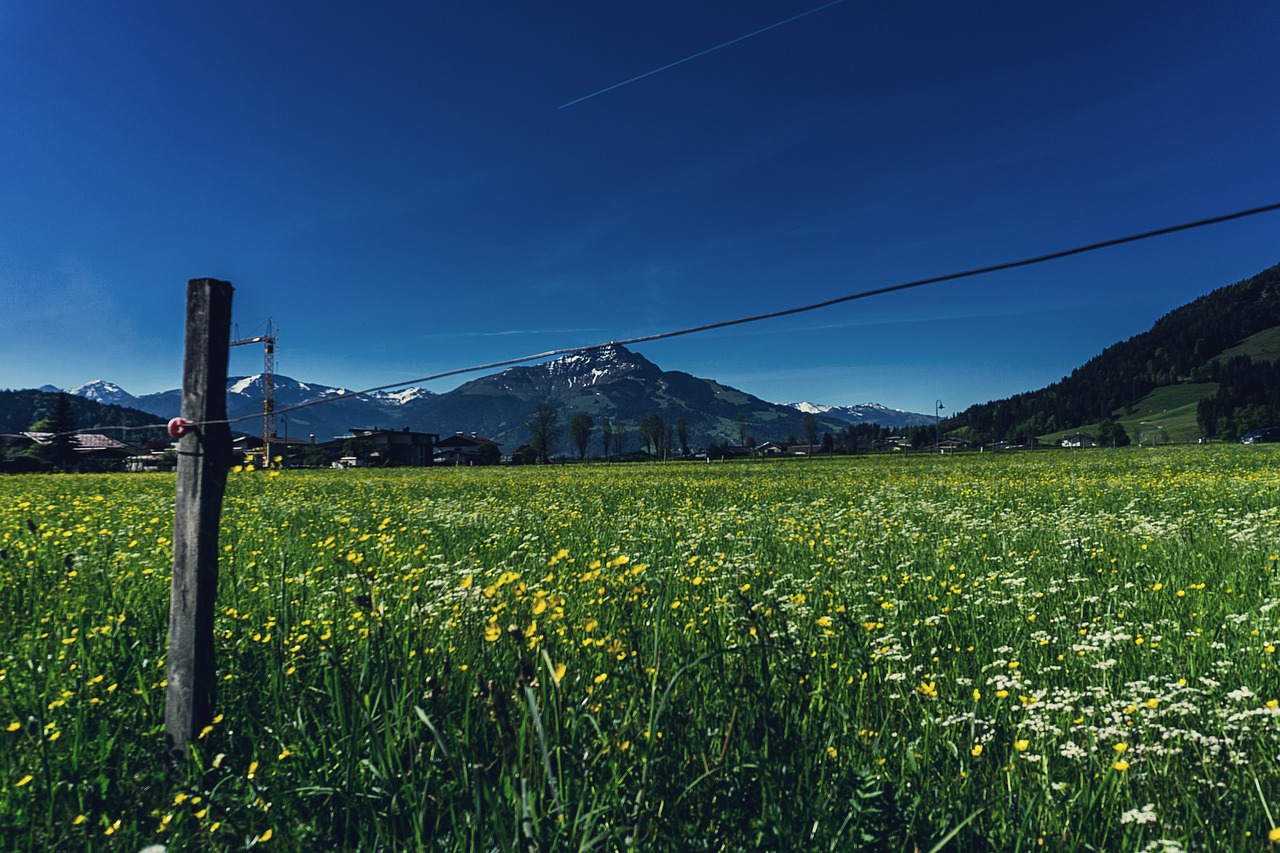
(399, 185)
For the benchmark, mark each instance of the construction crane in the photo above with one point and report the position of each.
(268, 340)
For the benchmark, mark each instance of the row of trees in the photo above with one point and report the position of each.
(659, 437)
(664, 438)
(1248, 397)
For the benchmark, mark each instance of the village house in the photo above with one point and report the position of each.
(461, 449)
(389, 447)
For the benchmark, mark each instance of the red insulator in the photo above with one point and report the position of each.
(178, 427)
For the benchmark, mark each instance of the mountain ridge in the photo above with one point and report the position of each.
(612, 382)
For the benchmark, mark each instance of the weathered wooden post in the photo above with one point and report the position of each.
(204, 455)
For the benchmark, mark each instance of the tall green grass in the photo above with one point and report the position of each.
(1074, 650)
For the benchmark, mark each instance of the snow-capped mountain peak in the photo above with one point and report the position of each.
(102, 391)
(865, 413)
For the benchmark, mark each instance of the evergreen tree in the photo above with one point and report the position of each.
(61, 422)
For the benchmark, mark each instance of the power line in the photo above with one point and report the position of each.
(785, 312)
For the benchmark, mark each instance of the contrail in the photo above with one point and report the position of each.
(700, 53)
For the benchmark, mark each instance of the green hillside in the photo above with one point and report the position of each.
(1209, 368)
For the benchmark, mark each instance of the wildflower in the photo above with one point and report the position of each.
(824, 621)
(1274, 835)
(976, 751)
(1120, 766)
(600, 679)
(559, 672)
(266, 836)
(1119, 747)
(25, 780)
(253, 768)
(1021, 745)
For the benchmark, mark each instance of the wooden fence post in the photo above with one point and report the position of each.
(204, 456)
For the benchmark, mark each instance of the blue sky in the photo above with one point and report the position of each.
(400, 186)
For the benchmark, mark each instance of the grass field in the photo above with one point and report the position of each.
(1072, 651)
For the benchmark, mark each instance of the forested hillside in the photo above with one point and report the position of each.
(20, 410)
(1184, 346)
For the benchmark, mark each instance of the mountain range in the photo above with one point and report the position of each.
(1208, 368)
(612, 382)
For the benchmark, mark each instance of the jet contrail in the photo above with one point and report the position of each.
(700, 53)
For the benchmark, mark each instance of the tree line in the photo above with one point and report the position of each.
(664, 438)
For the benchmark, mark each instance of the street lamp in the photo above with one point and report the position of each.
(937, 425)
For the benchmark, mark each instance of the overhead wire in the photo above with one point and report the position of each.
(768, 315)
(800, 309)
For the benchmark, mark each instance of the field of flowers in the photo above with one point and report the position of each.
(1062, 650)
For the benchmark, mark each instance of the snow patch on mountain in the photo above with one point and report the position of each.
(403, 396)
(244, 384)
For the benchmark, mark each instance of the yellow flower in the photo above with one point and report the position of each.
(79, 819)
(13, 727)
(824, 621)
(25, 780)
(266, 836)
(1119, 747)
(1274, 835)
(1120, 766)
(253, 768)
(559, 672)
(976, 751)
(600, 679)
(1021, 745)
(977, 694)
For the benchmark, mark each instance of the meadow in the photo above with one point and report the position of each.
(1059, 650)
